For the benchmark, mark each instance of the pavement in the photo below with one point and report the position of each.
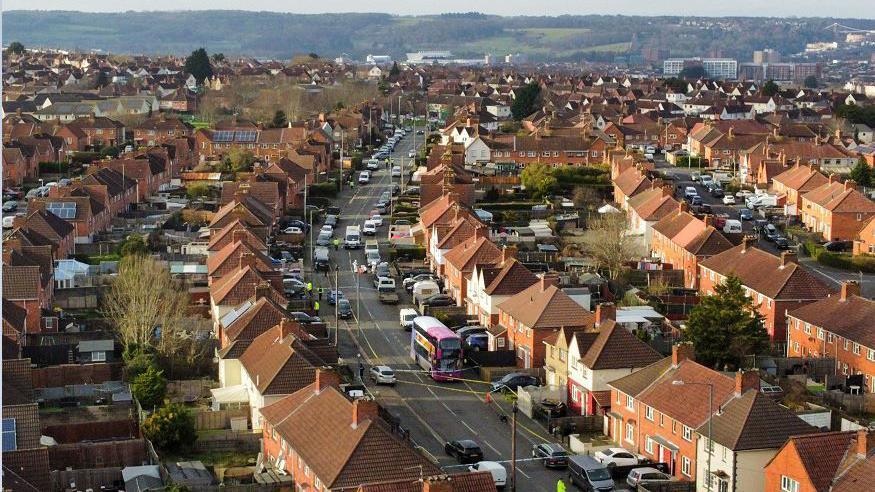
(433, 412)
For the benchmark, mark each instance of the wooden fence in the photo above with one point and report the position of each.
(87, 479)
(218, 419)
(226, 441)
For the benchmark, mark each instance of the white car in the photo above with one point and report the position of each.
(743, 194)
(373, 164)
(292, 230)
(616, 457)
(364, 177)
(497, 470)
(383, 375)
(377, 220)
(396, 171)
(411, 154)
(327, 228)
(369, 228)
(728, 200)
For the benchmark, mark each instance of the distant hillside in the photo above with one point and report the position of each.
(278, 35)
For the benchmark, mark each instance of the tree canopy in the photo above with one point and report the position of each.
(538, 178)
(149, 387)
(725, 327)
(198, 64)
(857, 114)
(862, 173)
(693, 72)
(526, 101)
(810, 82)
(15, 48)
(170, 428)
(770, 88)
(279, 119)
(395, 71)
(133, 245)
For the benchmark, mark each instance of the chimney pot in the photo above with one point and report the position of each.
(681, 352)
(507, 253)
(850, 185)
(850, 288)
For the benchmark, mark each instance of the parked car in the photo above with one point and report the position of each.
(364, 177)
(616, 457)
(718, 193)
(335, 295)
(696, 200)
(782, 243)
(293, 230)
(299, 224)
(552, 454)
(470, 330)
(771, 232)
(647, 476)
(745, 214)
(588, 474)
(465, 451)
(327, 228)
(695, 176)
(369, 228)
(331, 220)
(497, 470)
(383, 375)
(408, 282)
(690, 191)
(554, 408)
(396, 171)
(728, 200)
(513, 381)
(477, 341)
(10, 206)
(377, 219)
(438, 300)
(304, 318)
(838, 246)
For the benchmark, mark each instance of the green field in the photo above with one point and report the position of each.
(553, 33)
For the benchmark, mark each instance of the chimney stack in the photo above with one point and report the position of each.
(288, 327)
(507, 253)
(262, 290)
(746, 380)
(849, 288)
(683, 206)
(438, 483)
(247, 259)
(787, 257)
(325, 378)
(708, 220)
(850, 185)
(605, 312)
(362, 410)
(745, 244)
(548, 280)
(862, 444)
(681, 352)
(833, 177)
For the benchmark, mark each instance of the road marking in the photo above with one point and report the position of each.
(491, 447)
(469, 427)
(522, 472)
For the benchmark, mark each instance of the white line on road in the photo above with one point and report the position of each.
(468, 427)
(491, 447)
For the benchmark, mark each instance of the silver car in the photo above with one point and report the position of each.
(383, 375)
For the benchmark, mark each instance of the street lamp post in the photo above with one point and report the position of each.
(710, 447)
(514, 410)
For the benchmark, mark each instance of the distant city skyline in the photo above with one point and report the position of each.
(753, 8)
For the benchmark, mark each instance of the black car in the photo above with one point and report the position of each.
(554, 455)
(344, 309)
(717, 193)
(465, 451)
(413, 273)
(696, 200)
(465, 331)
(304, 318)
(782, 243)
(513, 381)
(745, 214)
(438, 300)
(838, 246)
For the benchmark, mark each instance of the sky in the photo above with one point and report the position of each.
(772, 8)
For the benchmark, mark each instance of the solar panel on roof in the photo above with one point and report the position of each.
(64, 210)
(223, 136)
(245, 136)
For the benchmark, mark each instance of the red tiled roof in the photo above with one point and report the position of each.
(632, 181)
(474, 251)
(279, 365)
(459, 482)
(237, 287)
(852, 318)
(822, 454)
(615, 347)
(688, 403)
(762, 271)
(508, 278)
(539, 307)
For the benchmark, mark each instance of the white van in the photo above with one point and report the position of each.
(384, 283)
(425, 288)
(498, 471)
(372, 245)
(353, 238)
(406, 316)
(732, 226)
(369, 228)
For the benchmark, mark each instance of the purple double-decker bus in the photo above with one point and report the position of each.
(436, 348)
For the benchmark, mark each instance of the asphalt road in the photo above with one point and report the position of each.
(433, 412)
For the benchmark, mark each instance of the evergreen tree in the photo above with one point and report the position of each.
(198, 64)
(810, 82)
(695, 72)
(15, 48)
(395, 71)
(149, 387)
(725, 327)
(526, 100)
(170, 428)
(862, 173)
(279, 119)
(770, 88)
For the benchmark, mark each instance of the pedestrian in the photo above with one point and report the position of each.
(336, 244)
(319, 292)
(309, 288)
(560, 486)
(361, 371)
(316, 307)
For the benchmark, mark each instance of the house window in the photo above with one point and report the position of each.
(686, 466)
(820, 333)
(661, 419)
(619, 397)
(856, 348)
(847, 342)
(630, 433)
(688, 433)
(807, 329)
(630, 402)
(788, 484)
(9, 441)
(648, 413)
(871, 355)
(98, 356)
(648, 445)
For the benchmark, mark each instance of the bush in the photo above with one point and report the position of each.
(411, 253)
(170, 428)
(54, 167)
(862, 263)
(326, 189)
(84, 157)
(150, 387)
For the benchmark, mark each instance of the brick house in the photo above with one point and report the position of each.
(550, 150)
(489, 286)
(249, 211)
(654, 416)
(148, 171)
(233, 232)
(839, 326)
(238, 255)
(647, 208)
(746, 433)
(89, 215)
(299, 428)
(460, 262)
(594, 359)
(17, 166)
(267, 192)
(233, 289)
(291, 178)
(682, 240)
(41, 225)
(775, 284)
(628, 184)
(98, 131)
(444, 179)
(446, 236)
(537, 314)
(864, 243)
(25, 458)
(827, 461)
(795, 182)
(160, 129)
(836, 210)
(28, 281)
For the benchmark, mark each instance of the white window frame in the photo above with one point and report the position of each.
(648, 412)
(99, 356)
(630, 433)
(686, 466)
(788, 484)
(630, 402)
(648, 445)
(687, 434)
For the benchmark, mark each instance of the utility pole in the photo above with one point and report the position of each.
(336, 305)
(340, 167)
(513, 449)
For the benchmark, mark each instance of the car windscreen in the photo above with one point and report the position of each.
(598, 474)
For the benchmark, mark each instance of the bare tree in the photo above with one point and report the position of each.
(609, 245)
(144, 298)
